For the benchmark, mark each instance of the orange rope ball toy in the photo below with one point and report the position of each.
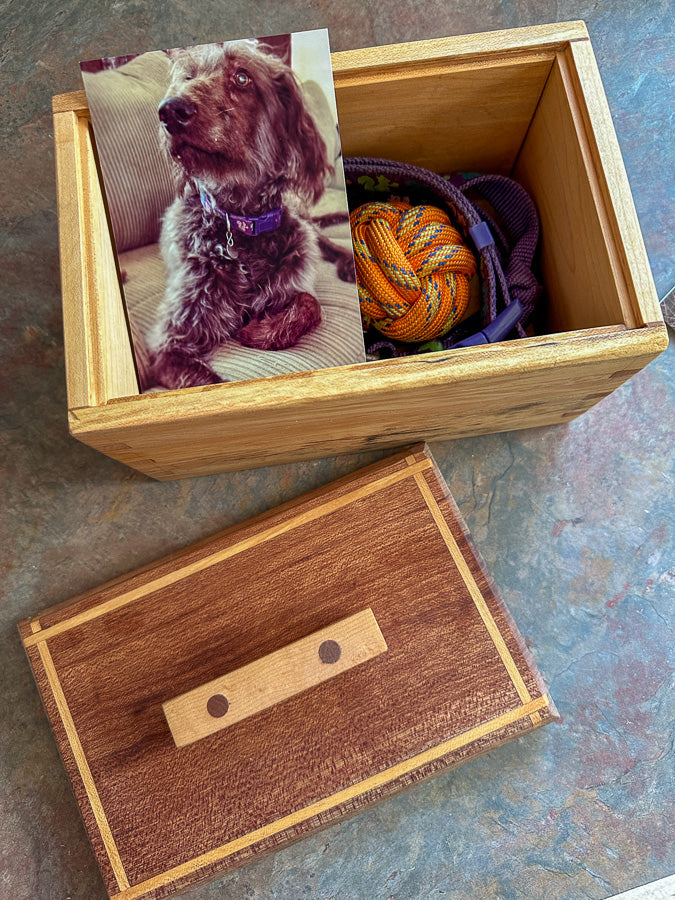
(412, 269)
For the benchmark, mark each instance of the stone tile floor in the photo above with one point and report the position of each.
(575, 521)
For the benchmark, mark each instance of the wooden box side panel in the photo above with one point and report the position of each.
(449, 116)
(483, 46)
(376, 405)
(583, 285)
(613, 186)
(593, 261)
(99, 361)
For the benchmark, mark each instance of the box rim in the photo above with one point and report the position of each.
(569, 349)
(528, 38)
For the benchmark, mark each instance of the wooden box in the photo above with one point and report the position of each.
(527, 102)
(280, 676)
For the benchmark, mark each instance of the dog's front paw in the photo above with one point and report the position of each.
(345, 269)
(283, 330)
(175, 370)
(343, 261)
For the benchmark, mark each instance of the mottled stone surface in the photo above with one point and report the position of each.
(575, 521)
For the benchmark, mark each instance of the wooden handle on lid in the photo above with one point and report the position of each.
(274, 678)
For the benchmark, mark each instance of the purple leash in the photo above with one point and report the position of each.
(501, 220)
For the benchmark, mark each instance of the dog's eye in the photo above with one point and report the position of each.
(241, 78)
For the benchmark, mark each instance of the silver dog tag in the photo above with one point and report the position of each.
(229, 243)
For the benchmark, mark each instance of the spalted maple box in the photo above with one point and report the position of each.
(528, 103)
(280, 676)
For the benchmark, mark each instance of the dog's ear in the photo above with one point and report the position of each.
(306, 161)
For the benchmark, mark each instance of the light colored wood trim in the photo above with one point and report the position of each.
(74, 101)
(609, 166)
(439, 67)
(482, 45)
(93, 306)
(87, 303)
(274, 678)
(199, 565)
(73, 260)
(594, 174)
(568, 349)
(114, 374)
(341, 797)
(531, 38)
(473, 589)
(83, 767)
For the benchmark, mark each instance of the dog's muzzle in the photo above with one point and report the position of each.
(175, 113)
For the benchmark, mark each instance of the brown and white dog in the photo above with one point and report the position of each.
(239, 248)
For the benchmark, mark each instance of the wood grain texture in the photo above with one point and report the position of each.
(74, 101)
(455, 681)
(265, 682)
(536, 381)
(460, 48)
(591, 243)
(205, 561)
(605, 152)
(499, 98)
(76, 327)
(531, 96)
(576, 260)
(84, 771)
(94, 318)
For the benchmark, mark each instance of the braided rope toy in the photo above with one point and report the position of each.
(412, 270)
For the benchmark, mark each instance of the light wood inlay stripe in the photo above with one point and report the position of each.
(344, 796)
(199, 565)
(83, 767)
(474, 590)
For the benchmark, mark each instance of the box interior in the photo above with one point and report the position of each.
(518, 117)
(523, 114)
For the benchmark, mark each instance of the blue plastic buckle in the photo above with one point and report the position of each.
(481, 235)
(498, 330)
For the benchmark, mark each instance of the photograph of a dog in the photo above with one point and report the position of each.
(234, 253)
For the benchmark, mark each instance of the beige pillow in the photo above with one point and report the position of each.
(137, 180)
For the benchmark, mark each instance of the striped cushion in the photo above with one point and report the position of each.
(136, 176)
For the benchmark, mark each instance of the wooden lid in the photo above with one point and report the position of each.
(448, 678)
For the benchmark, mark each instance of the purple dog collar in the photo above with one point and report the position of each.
(250, 225)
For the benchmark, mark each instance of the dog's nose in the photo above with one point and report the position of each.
(175, 113)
